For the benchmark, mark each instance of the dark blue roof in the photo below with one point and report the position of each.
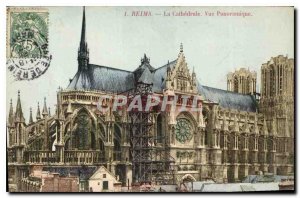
(114, 80)
(102, 78)
(229, 99)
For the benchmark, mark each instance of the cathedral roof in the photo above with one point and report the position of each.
(229, 99)
(114, 80)
(102, 78)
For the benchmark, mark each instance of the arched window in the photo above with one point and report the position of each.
(272, 81)
(67, 144)
(82, 135)
(236, 85)
(117, 143)
(248, 85)
(117, 133)
(159, 128)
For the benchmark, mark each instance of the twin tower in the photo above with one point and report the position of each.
(276, 78)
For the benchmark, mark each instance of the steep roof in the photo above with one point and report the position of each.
(100, 170)
(114, 80)
(229, 99)
(102, 78)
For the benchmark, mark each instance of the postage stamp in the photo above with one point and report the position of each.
(27, 42)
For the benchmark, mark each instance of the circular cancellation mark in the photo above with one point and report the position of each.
(28, 68)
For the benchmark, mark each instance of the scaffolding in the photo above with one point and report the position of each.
(152, 164)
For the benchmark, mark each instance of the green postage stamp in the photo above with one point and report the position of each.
(27, 42)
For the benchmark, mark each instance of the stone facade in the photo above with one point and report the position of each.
(242, 81)
(233, 135)
(277, 105)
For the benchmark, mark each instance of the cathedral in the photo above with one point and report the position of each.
(238, 131)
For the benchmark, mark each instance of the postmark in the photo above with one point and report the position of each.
(27, 42)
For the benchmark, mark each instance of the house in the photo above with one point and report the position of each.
(103, 181)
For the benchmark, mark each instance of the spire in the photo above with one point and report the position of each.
(19, 114)
(82, 40)
(11, 114)
(45, 111)
(30, 116)
(49, 111)
(83, 52)
(38, 113)
(181, 47)
(145, 60)
(168, 69)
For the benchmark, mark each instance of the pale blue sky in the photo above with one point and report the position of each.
(214, 46)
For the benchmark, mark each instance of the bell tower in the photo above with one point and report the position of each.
(242, 81)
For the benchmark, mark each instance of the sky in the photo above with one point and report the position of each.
(213, 45)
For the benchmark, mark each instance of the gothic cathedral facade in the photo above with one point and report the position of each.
(236, 134)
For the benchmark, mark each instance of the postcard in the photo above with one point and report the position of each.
(150, 99)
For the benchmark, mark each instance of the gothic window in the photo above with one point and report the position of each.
(82, 134)
(117, 133)
(280, 78)
(248, 85)
(117, 143)
(93, 141)
(236, 85)
(101, 131)
(67, 144)
(272, 81)
(159, 128)
(265, 83)
(20, 134)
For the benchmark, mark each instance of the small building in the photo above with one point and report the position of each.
(103, 181)
(49, 182)
(286, 184)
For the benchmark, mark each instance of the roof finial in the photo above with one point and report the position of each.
(11, 114)
(145, 59)
(19, 114)
(30, 116)
(181, 47)
(45, 112)
(38, 113)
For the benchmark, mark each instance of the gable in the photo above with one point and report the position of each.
(98, 175)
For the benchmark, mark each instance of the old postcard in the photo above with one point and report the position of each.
(150, 99)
